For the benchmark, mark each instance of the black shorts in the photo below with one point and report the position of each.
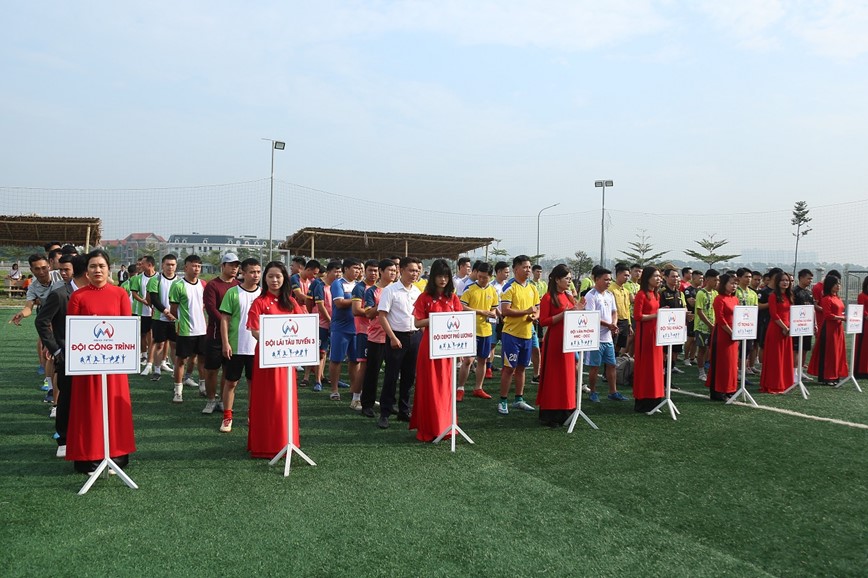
(190, 345)
(232, 368)
(498, 332)
(145, 324)
(213, 354)
(623, 331)
(163, 331)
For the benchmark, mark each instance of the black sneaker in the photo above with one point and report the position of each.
(534, 379)
(368, 411)
(383, 422)
(403, 416)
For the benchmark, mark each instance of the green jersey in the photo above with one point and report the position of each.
(746, 296)
(236, 304)
(139, 286)
(160, 285)
(191, 307)
(704, 303)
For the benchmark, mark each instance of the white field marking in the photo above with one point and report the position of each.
(784, 411)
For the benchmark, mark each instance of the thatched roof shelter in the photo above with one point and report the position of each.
(313, 241)
(27, 230)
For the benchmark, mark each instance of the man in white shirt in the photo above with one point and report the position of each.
(395, 314)
(599, 298)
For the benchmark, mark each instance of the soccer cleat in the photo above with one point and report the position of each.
(523, 405)
(459, 395)
(335, 396)
(317, 387)
(676, 369)
(40, 370)
(165, 366)
(190, 382)
(586, 389)
(503, 407)
(210, 406)
(226, 426)
(343, 385)
(49, 397)
(219, 405)
(488, 374)
(53, 413)
(534, 379)
(687, 363)
(155, 376)
(703, 376)
(594, 397)
(147, 369)
(61, 451)
(202, 390)
(617, 396)
(356, 405)
(480, 393)
(178, 397)
(45, 385)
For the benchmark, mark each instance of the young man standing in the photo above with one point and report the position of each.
(376, 341)
(296, 266)
(622, 305)
(238, 345)
(320, 293)
(186, 298)
(501, 275)
(519, 304)
(342, 331)
(363, 322)
(36, 294)
(541, 288)
(690, 299)
(395, 314)
(599, 298)
(704, 320)
(671, 297)
(139, 293)
(462, 270)
(163, 323)
(481, 298)
(746, 296)
(300, 285)
(212, 297)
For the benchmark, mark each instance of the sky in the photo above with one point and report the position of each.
(490, 107)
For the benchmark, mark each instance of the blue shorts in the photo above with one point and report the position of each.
(534, 339)
(323, 339)
(606, 354)
(515, 350)
(483, 347)
(361, 347)
(343, 345)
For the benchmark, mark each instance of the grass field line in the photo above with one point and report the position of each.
(784, 411)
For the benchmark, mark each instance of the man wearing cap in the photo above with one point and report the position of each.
(213, 295)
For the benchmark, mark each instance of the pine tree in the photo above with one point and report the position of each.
(710, 246)
(800, 219)
(640, 249)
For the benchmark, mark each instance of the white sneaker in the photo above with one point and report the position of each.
(502, 408)
(356, 405)
(226, 426)
(61, 451)
(702, 376)
(586, 389)
(190, 382)
(676, 369)
(523, 406)
(147, 369)
(179, 395)
(202, 391)
(53, 413)
(687, 363)
(165, 366)
(210, 406)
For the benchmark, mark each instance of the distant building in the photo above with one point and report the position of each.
(195, 243)
(135, 245)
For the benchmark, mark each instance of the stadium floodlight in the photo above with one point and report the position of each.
(603, 184)
(537, 224)
(275, 145)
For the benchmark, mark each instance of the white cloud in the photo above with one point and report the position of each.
(749, 21)
(837, 28)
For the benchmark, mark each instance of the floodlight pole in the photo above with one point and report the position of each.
(537, 224)
(603, 184)
(275, 145)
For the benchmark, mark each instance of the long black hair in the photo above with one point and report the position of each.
(645, 279)
(722, 282)
(284, 297)
(865, 285)
(439, 267)
(559, 272)
(829, 282)
(777, 290)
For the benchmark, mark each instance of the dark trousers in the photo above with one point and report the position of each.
(400, 363)
(64, 393)
(376, 353)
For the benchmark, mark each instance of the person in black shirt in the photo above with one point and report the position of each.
(671, 297)
(802, 296)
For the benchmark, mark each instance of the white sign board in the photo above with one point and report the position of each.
(97, 344)
(581, 331)
(745, 319)
(288, 340)
(671, 326)
(452, 334)
(855, 315)
(802, 320)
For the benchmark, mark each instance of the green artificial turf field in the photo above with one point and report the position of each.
(723, 491)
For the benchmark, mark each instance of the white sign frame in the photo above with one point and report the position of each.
(745, 322)
(854, 317)
(671, 327)
(581, 331)
(457, 329)
(275, 341)
(801, 325)
(102, 337)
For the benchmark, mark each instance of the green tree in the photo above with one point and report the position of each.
(641, 250)
(709, 257)
(580, 265)
(800, 219)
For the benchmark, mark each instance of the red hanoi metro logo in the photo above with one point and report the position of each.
(103, 330)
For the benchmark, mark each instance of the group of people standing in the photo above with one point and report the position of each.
(376, 314)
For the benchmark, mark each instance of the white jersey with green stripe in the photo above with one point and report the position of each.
(139, 285)
(160, 285)
(236, 304)
(191, 307)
